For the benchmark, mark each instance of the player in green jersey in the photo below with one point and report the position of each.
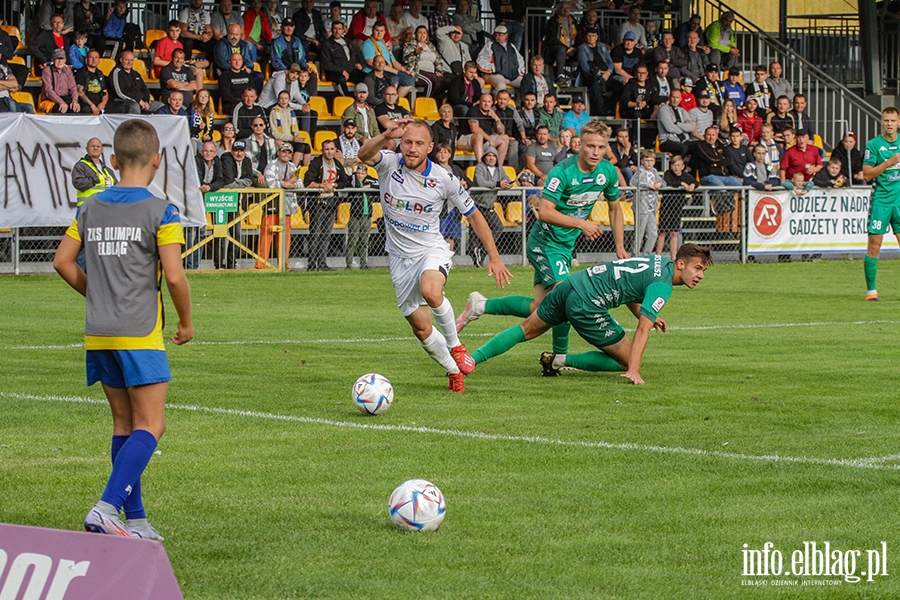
(571, 189)
(643, 283)
(882, 163)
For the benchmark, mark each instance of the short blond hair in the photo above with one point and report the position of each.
(596, 127)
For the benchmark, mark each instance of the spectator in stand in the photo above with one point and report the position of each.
(654, 38)
(489, 174)
(8, 45)
(695, 58)
(359, 225)
(623, 155)
(702, 116)
(257, 31)
(778, 84)
(710, 161)
(327, 173)
(626, 58)
(287, 48)
(501, 62)
(261, 147)
(714, 88)
(472, 30)
(399, 30)
(232, 84)
(830, 176)
(851, 159)
(773, 150)
(439, 18)
(511, 15)
(669, 53)
(633, 25)
(671, 206)
(802, 158)
(58, 85)
(539, 156)
(233, 44)
(465, 90)
(759, 173)
(722, 41)
(484, 128)
(362, 114)
(48, 41)
(245, 114)
(801, 118)
(589, 20)
(341, 61)
(565, 139)
(661, 85)
(635, 101)
(424, 63)
(78, 51)
(225, 144)
(88, 17)
(196, 29)
(559, 41)
(596, 68)
(688, 100)
(750, 122)
(646, 205)
(414, 16)
(347, 145)
(377, 46)
(537, 80)
(201, 115)
(728, 121)
(118, 29)
(221, 19)
(799, 186)
(455, 52)
(739, 154)
(290, 81)
(389, 111)
(781, 118)
(760, 90)
(285, 127)
(377, 81)
(334, 14)
(280, 174)
(162, 50)
(684, 30)
(363, 23)
(677, 133)
(512, 127)
(50, 8)
(444, 131)
(91, 84)
(127, 89)
(90, 175)
(790, 139)
(733, 88)
(551, 116)
(173, 106)
(311, 27)
(450, 227)
(237, 172)
(176, 76)
(529, 117)
(574, 119)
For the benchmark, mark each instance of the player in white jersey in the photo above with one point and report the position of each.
(413, 191)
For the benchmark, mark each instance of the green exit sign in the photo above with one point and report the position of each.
(221, 203)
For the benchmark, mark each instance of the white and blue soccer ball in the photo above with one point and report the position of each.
(373, 394)
(417, 505)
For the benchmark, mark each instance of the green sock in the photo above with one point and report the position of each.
(593, 361)
(561, 338)
(499, 344)
(870, 266)
(516, 306)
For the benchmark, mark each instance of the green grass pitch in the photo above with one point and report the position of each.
(769, 415)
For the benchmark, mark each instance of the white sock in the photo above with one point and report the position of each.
(443, 314)
(436, 347)
(559, 361)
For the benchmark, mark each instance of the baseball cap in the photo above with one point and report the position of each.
(58, 53)
(687, 82)
(577, 98)
(349, 122)
(702, 94)
(287, 21)
(500, 29)
(361, 87)
(712, 67)
(284, 145)
(239, 145)
(591, 30)
(629, 35)
(295, 68)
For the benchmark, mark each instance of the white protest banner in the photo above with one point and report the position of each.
(39, 152)
(821, 221)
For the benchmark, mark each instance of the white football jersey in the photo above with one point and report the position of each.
(412, 203)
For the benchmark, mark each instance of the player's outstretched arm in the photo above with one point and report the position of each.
(638, 345)
(617, 222)
(548, 214)
(64, 263)
(179, 290)
(495, 264)
(368, 153)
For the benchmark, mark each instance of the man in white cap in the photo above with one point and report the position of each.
(501, 62)
(363, 114)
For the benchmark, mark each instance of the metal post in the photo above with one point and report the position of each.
(15, 250)
(524, 228)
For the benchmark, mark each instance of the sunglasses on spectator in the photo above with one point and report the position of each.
(259, 124)
(228, 129)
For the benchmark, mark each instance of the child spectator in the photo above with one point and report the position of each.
(672, 204)
(830, 176)
(648, 182)
(773, 150)
(761, 174)
(798, 184)
(733, 88)
(78, 51)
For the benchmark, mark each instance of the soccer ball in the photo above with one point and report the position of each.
(417, 505)
(372, 394)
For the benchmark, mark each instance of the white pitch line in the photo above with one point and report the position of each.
(858, 463)
(409, 338)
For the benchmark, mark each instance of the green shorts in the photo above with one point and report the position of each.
(593, 323)
(550, 265)
(880, 216)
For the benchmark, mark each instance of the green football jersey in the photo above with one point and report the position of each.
(574, 193)
(887, 185)
(644, 279)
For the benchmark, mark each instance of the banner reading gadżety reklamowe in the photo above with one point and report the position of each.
(39, 152)
(821, 221)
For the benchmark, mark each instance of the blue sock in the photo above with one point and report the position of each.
(131, 460)
(134, 503)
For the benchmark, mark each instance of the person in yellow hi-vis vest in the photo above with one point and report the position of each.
(90, 176)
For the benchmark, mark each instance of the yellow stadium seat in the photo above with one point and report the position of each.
(404, 102)
(141, 67)
(514, 212)
(372, 172)
(512, 102)
(377, 213)
(498, 208)
(24, 98)
(106, 65)
(817, 141)
(17, 60)
(302, 173)
(600, 214)
(470, 172)
(628, 212)
(511, 173)
(13, 31)
(343, 215)
(342, 103)
(153, 36)
(304, 135)
(216, 135)
(320, 105)
(299, 220)
(427, 108)
(321, 136)
(313, 68)
(252, 217)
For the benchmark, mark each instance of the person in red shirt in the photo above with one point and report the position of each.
(256, 27)
(750, 122)
(162, 55)
(802, 157)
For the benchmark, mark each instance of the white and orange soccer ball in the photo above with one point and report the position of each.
(417, 505)
(372, 394)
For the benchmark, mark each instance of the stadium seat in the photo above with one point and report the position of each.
(303, 171)
(252, 217)
(300, 220)
(511, 173)
(141, 67)
(320, 105)
(404, 102)
(514, 212)
(427, 108)
(627, 211)
(817, 141)
(470, 172)
(305, 136)
(106, 65)
(343, 215)
(17, 60)
(44, 105)
(600, 214)
(153, 36)
(377, 213)
(24, 98)
(321, 136)
(312, 67)
(216, 135)
(220, 113)
(341, 103)
(498, 208)
(372, 172)
(13, 31)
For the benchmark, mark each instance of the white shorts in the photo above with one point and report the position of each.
(406, 275)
